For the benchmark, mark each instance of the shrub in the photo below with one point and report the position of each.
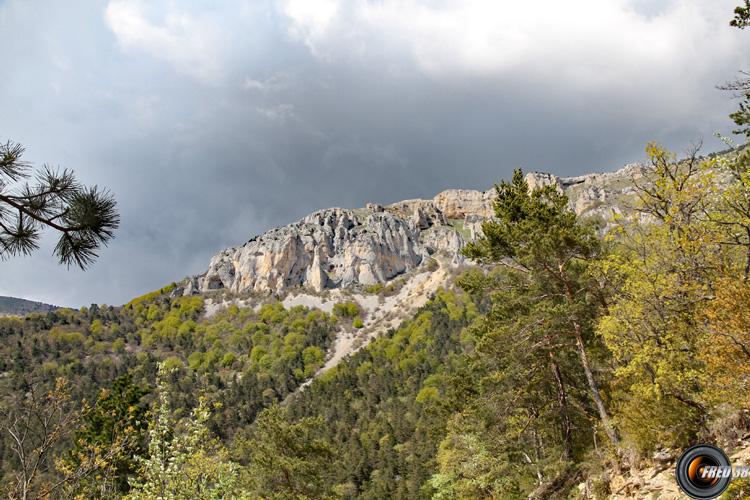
(432, 265)
(346, 310)
(172, 363)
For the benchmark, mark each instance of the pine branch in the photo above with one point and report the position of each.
(85, 217)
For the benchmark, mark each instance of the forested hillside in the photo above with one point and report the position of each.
(12, 306)
(240, 358)
(567, 352)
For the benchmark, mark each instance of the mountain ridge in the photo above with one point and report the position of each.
(388, 260)
(373, 245)
(14, 306)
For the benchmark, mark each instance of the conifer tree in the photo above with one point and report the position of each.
(288, 459)
(741, 16)
(741, 86)
(539, 238)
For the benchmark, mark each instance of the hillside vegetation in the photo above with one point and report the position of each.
(564, 353)
(12, 306)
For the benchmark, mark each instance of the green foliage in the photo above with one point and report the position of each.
(173, 363)
(117, 418)
(391, 288)
(741, 117)
(149, 297)
(313, 358)
(663, 270)
(374, 289)
(741, 16)
(288, 459)
(346, 310)
(380, 409)
(244, 359)
(545, 301)
(85, 217)
(741, 86)
(470, 466)
(500, 390)
(183, 460)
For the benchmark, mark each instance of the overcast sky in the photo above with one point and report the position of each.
(214, 121)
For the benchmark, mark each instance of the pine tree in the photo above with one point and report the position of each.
(741, 16)
(540, 239)
(531, 416)
(741, 86)
(288, 459)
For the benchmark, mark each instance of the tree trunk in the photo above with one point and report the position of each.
(593, 386)
(608, 428)
(562, 401)
(537, 457)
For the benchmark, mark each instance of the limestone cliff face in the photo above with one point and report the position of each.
(462, 203)
(332, 248)
(339, 248)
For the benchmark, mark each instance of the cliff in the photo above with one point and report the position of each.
(352, 248)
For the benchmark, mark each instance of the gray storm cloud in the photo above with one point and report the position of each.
(212, 122)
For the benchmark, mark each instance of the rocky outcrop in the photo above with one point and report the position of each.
(340, 248)
(328, 249)
(462, 203)
(538, 180)
(599, 194)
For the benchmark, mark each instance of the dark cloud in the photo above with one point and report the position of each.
(211, 123)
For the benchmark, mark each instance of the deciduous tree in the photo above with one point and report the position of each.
(666, 256)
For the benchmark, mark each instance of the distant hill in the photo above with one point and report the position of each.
(12, 306)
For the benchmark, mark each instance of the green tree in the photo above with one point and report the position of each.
(117, 422)
(346, 309)
(741, 89)
(85, 217)
(741, 16)
(525, 425)
(288, 459)
(532, 356)
(730, 201)
(184, 461)
(539, 239)
(666, 256)
(741, 86)
(725, 349)
(471, 465)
